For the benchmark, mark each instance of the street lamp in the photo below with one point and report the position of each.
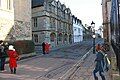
(93, 36)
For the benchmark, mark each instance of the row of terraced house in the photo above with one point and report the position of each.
(40, 21)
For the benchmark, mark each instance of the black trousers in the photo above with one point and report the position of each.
(2, 65)
(13, 70)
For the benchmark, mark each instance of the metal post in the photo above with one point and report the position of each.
(93, 36)
(94, 44)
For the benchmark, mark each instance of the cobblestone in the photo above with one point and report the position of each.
(85, 72)
(52, 66)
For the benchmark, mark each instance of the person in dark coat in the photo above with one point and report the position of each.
(99, 67)
(3, 56)
(43, 47)
(1, 49)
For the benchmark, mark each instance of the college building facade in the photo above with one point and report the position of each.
(51, 23)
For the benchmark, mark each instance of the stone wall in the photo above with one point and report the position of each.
(22, 30)
(22, 10)
(22, 21)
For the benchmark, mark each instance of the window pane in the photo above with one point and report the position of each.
(36, 38)
(35, 22)
(9, 4)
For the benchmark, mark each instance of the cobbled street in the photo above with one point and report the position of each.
(50, 66)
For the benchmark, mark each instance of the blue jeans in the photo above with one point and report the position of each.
(100, 73)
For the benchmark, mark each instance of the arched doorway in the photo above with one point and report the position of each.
(65, 38)
(60, 37)
(53, 39)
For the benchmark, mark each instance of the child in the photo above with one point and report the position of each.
(13, 56)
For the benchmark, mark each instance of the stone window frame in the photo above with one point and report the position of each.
(35, 19)
(65, 37)
(52, 37)
(9, 4)
(50, 7)
(53, 8)
(52, 22)
(79, 30)
(60, 37)
(36, 38)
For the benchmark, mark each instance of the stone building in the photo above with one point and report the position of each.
(111, 26)
(51, 22)
(15, 20)
(6, 18)
(115, 29)
(77, 29)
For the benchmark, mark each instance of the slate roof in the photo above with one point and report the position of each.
(37, 3)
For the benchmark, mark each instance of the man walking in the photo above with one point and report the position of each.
(3, 56)
(43, 47)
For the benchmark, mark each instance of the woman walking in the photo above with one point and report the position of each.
(13, 56)
(99, 67)
(47, 48)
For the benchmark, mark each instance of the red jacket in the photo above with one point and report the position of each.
(12, 58)
(47, 48)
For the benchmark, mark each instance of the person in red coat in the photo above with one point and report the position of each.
(13, 56)
(47, 48)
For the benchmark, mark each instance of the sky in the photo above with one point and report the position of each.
(86, 10)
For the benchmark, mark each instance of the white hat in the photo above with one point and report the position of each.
(11, 47)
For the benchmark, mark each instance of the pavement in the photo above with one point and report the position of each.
(34, 70)
(85, 72)
(28, 71)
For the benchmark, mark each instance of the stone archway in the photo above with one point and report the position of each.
(60, 38)
(65, 38)
(53, 39)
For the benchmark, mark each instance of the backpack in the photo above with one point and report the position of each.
(106, 63)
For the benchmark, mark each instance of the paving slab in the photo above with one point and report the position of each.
(85, 72)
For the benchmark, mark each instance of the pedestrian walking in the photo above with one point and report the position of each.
(13, 56)
(43, 47)
(47, 48)
(3, 56)
(100, 64)
(98, 47)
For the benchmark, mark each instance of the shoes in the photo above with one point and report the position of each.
(13, 71)
(96, 78)
(3, 70)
